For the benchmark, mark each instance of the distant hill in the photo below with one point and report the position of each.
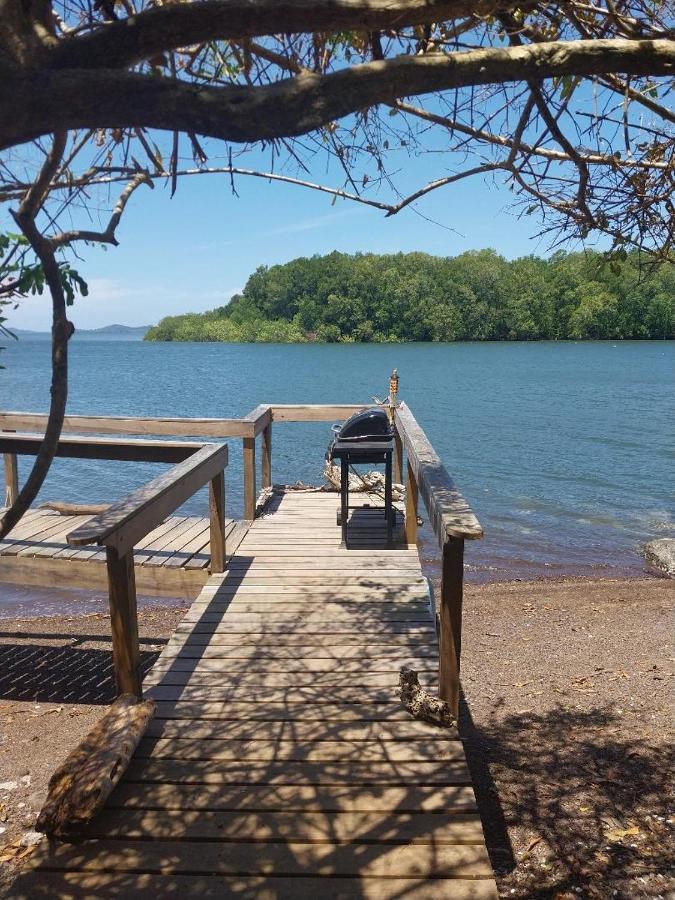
(127, 332)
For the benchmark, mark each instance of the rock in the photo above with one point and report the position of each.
(661, 555)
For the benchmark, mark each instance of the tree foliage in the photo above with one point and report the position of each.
(478, 296)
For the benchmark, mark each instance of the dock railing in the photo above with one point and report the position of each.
(130, 519)
(449, 514)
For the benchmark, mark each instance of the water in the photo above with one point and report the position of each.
(563, 449)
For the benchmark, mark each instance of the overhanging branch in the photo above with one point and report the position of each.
(160, 29)
(31, 106)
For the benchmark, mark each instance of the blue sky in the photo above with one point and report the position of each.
(192, 252)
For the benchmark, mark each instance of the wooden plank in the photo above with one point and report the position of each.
(307, 694)
(347, 648)
(126, 522)
(104, 884)
(44, 571)
(330, 682)
(189, 427)
(447, 799)
(288, 711)
(354, 732)
(315, 412)
(181, 661)
(386, 827)
(374, 860)
(230, 750)
(101, 448)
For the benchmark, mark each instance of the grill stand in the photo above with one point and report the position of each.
(353, 453)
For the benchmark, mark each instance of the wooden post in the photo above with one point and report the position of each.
(124, 621)
(11, 479)
(450, 620)
(217, 520)
(410, 507)
(398, 458)
(267, 456)
(250, 495)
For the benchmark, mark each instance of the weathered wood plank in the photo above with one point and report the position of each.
(78, 885)
(428, 749)
(447, 799)
(386, 827)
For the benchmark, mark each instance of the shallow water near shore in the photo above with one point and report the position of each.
(563, 449)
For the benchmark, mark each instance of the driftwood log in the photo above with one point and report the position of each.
(79, 788)
(75, 509)
(421, 704)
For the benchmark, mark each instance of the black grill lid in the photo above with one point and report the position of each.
(369, 425)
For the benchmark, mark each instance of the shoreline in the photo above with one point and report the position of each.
(24, 604)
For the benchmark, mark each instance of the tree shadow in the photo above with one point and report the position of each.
(587, 794)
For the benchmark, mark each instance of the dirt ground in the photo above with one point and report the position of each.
(567, 718)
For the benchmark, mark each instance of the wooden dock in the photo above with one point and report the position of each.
(280, 762)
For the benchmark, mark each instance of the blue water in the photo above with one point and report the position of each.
(564, 450)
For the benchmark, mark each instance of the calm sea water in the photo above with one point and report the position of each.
(564, 450)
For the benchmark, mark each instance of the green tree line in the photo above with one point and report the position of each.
(477, 296)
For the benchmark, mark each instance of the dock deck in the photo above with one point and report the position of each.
(172, 560)
(280, 762)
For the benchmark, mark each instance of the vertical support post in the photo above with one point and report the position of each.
(398, 457)
(124, 621)
(217, 522)
(250, 494)
(450, 622)
(11, 479)
(267, 456)
(344, 497)
(410, 506)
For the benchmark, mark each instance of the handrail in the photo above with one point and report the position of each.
(449, 513)
(124, 523)
(190, 427)
(79, 447)
(315, 412)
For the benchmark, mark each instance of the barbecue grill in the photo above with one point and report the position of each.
(367, 437)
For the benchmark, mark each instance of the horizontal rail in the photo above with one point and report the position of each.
(179, 426)
(449, 513)
(102, 448)
(127, 521)
(315, 412)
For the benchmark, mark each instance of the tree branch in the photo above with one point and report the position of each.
(25, 219)
(108, 235)
(154, 31)
(34, 105)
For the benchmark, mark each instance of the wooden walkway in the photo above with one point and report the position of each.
(172, 560)
(280, 763)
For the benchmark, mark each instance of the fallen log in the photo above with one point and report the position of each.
(420, 703)
(75, 509)
(79, 788)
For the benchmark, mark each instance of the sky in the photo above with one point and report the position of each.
(192, 252)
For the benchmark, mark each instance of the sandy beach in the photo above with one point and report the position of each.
(567, 713)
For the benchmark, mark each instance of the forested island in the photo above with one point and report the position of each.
(477, 296)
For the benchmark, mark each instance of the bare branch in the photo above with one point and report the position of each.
(108, 235)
